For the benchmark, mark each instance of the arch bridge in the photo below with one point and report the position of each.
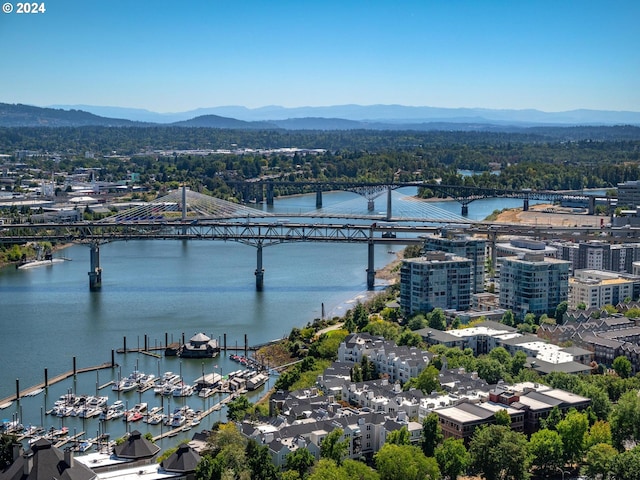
(259, 190)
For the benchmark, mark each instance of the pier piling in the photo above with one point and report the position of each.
(95, 274)
(259, 270)
(75, 370)
(17, 389)
(371, 270)
(46, 377)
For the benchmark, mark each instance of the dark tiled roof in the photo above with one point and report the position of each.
(47, 463)
(136, 447)
(185, 459)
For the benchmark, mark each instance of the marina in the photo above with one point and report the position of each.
(154, 292)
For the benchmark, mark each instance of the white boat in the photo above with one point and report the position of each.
(40, 263)
(125, 385)
(206, 392)
(183, 390)
(96, 402)
(136, 413)
(178, 420)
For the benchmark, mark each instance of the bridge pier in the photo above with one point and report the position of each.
(371, 205)
(259, 270)
(270, 194)
(371, 271)
(592, 205)
(465, 209)
(525, 205)
(318, 198)
(95, 274)
(388, 204)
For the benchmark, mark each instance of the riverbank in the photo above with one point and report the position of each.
(54, 249)
(547, 214)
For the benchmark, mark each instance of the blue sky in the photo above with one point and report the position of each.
(170, 56)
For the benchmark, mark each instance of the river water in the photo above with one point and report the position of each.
(48, 316)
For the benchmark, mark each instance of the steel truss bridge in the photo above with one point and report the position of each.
(259, 190)
(187, 215)
(263, 233)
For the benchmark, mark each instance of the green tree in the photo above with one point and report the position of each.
(431, 434)
(500, 453)
(625, 419)
(599, 432)
(437, 320)
(503, 418)
(417, 322)
(547, 451)
(518, 362)
(301, 460)
(259, 462)
(237, 408)
(368, 369)
(327, 469)
(572, 430)
(399, 437)
(405, 462)
(622, 366)
(508, 318)
(356, 470)
(552, 420)
(427, 381)
(561, 309)
(490, 370)
(6, 450)
(356, 373)
(452, 457)
(409, 339)
(626, 466)
(598, 461)
(333, 448)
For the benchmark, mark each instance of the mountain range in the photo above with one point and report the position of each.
(338, 117)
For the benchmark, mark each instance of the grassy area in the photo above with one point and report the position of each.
(308, 378)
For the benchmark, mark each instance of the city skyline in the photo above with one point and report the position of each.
(168, 57)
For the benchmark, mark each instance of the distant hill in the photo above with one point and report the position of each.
(27, 116)
(215, 121)
(382, 114)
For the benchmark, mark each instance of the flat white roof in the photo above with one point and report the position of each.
(458, 414)
(470, 332)
(548, 352)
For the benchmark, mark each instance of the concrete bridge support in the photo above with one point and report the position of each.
(371, 271)
(388, 217)
(465, 209)
(270, 194)
(592, 205)
(371, 204)
(95, 274)
(525, 205)
(259, 270)
(318, 198)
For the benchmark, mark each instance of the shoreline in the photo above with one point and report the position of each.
(54, 249)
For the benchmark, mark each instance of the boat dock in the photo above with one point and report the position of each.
(209, 411)
(50, 381)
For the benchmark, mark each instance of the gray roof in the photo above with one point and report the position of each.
(47, 463)
(136, 447)
(185, 459)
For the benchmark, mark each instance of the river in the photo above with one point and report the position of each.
(48, 316)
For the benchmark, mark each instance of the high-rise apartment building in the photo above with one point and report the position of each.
(533, 283)
(435, 280)
(463, 246)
